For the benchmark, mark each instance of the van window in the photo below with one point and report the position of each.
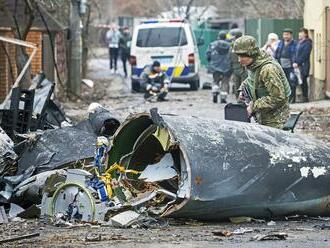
(161, 37)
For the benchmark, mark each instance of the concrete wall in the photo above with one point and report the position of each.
(315, 22)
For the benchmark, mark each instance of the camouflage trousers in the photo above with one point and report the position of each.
(222, 81)
(238, 78)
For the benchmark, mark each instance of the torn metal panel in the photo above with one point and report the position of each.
(7, 154)
(3, 216)
(125, 219)
(100, 121)
(30, 190)
(161, 171)
(15, 210)
(57, 148)
(229, 169)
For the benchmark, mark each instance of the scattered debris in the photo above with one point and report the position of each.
(271, 223)
(100, 121)
(31, 212)
(3, 216)
(240, 219)
(88, 82)
(28, 236)
(223, 233)
(15, 210)
(7, 154)
(270, 236)
(242, 230)
(93, 237)
(125, 219)
(323, 226)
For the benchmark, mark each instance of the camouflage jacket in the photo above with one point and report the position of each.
(270, 91)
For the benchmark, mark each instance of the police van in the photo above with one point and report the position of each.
(173, 44)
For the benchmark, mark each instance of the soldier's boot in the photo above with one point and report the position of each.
(215, 93)
(223, 97)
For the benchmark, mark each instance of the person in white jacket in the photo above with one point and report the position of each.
(113, 37)
(271, 44)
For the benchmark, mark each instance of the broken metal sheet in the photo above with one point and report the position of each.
(56, 149)
(229, 169)
(270, 236)
(3, 216)
(30, 190)
(6, 193)
(125, 219)
(31, 212)
(7, 154)
(161, 171)
(73, 200)
(100, 121)
(15, 210)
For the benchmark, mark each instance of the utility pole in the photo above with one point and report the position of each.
(75, 52)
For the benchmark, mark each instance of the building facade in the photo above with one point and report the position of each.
(317, 21)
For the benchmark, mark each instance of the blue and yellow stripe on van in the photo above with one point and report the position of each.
(177, 71)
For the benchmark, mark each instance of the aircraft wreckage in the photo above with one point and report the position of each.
(198, 168)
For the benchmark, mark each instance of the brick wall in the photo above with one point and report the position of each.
(8, 72)
(6, 80)
(35, 37)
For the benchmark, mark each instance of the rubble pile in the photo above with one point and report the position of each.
(152, 166)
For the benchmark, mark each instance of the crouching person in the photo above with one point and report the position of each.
(155, 82)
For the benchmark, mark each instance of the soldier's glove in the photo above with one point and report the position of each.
(249, 109)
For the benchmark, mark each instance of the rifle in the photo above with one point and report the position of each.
(247, 94)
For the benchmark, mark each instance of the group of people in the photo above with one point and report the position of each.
(267, 76)
(294, 57)
(119, 43)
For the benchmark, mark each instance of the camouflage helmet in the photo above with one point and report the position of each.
(246, 45)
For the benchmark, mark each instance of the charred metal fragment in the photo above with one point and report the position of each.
(226, 168)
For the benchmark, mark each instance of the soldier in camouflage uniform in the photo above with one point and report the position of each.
(239, 72)
(267, 83)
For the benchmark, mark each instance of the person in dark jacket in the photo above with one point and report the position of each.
(285, 54)
(302, 59)
(125, 46)
(219, 58)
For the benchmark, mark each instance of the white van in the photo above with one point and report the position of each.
(173, 44)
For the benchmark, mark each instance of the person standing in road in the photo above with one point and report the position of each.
(219, 58)
(285, 54)
(302, 60)
(271, 45)
(266, 82)
(125, 46)
(113, 37)
(239, 71)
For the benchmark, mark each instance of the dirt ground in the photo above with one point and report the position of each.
(114, 93)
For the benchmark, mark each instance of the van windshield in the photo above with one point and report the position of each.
(161, 37)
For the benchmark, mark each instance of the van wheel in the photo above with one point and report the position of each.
(194, 85)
